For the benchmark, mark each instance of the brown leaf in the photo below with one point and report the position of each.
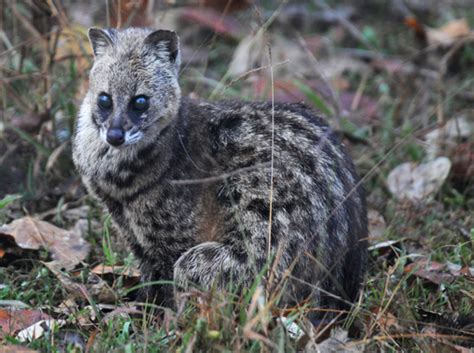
(449, 33)
(463, 162)
(458, 270)
(116, 270)
(76, 289)
(445, 139)
(415, 183)
(67, 248)
(456, 28)
(12, 321)
(429, 270)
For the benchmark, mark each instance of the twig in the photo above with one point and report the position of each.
(219, 177)
(360, 90)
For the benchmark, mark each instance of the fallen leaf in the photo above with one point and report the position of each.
(449, 33)
(383, 245)
(450, 140)
(463, 162)
(429, 270)
(12, 321)
(76, 289)
(458, 270)
(116, 270)
(415, 183)
(129, 277)
(67, 248)
(443, 140)
(38, 329)
(445, 35)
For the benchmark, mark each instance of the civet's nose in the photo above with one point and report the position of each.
(115, 136)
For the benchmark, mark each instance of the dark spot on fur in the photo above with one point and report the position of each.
(259, 206)
(103, 151)
(120, 181)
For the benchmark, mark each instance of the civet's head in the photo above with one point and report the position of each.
(133, 89)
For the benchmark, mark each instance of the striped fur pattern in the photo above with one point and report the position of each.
(190, 194)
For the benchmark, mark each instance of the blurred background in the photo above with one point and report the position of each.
(393, 77)
(393, 66)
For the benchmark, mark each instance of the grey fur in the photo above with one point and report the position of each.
(189, 189)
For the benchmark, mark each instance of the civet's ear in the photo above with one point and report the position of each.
(165, 40)
(101, 39)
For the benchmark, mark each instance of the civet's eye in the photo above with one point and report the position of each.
(104, 101)
(140, 103)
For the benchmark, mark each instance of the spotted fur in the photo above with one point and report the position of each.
(191, 194)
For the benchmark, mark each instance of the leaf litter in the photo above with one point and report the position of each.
(14, 320)
(335, 67)
(67, 248)
(417, 182)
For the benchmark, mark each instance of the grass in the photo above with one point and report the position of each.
(398, 310)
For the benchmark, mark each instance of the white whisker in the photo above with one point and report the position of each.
(133, 137)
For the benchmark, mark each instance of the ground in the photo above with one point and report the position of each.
(394, 78)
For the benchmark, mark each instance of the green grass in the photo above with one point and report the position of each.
(442, 229)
